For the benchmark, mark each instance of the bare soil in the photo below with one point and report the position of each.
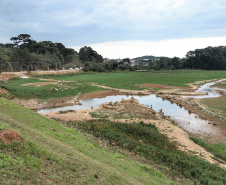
(98, 94)
(125, 91)
(9, 136)
(4, 92)
(35, 104)
(161, 86)
(55, 72)
(215, 130)
(78, 115)
(4, 76)
(38, 84)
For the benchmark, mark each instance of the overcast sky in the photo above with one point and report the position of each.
(118, 28)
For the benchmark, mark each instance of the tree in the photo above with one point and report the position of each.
(207, 58)
(124, 64)
(21, 60)
(2, 45)
(88, 54)
(176, 63)
(4, 63)
(25, 38)
(16, 41)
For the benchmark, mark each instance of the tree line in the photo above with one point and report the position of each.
(24, 53)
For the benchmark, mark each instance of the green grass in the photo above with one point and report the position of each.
(146, 140)
(131, 80)
(216, 103)
(219, 149)
(53, 153)
(63, 89)
(220, 85)
(125, 80)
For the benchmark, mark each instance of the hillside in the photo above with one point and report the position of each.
(52, 153)
(122, 142)
(146, 57)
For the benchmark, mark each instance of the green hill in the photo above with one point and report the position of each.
(52, 153)
(146, 57)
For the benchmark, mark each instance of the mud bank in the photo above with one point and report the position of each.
(212, 128)
(36, 104)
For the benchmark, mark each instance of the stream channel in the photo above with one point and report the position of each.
(188, 121)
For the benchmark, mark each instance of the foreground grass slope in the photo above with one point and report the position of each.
(132, 80)
(53, 153)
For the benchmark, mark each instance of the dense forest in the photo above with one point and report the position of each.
(24, 53)
(208, 58)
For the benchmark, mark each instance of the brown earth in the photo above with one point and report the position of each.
(216, 121)
(78, 115)
(38, 84)
(161, 86)
(10, 136)
(4, 92)
(4, 76)
(55, 72)
(125, 91)
(35, 104)
(98, 94)
(178, 91)
(131, 111)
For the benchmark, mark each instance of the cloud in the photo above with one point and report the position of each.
(169, 48)
(77, 22)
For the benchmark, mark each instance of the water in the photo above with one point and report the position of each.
(157, 103)
(178, 114)
(212, 92)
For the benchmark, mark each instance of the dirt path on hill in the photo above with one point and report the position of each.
(112, 111)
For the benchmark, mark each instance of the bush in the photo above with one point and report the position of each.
(146, 140)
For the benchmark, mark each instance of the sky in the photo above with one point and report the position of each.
(118, 28)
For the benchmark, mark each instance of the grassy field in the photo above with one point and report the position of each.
(132, 80)
(53, 153)
(216, 103)
(79, 83)
(61, 89)
(221, 85)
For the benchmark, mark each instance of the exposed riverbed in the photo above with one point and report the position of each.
(188, 121)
